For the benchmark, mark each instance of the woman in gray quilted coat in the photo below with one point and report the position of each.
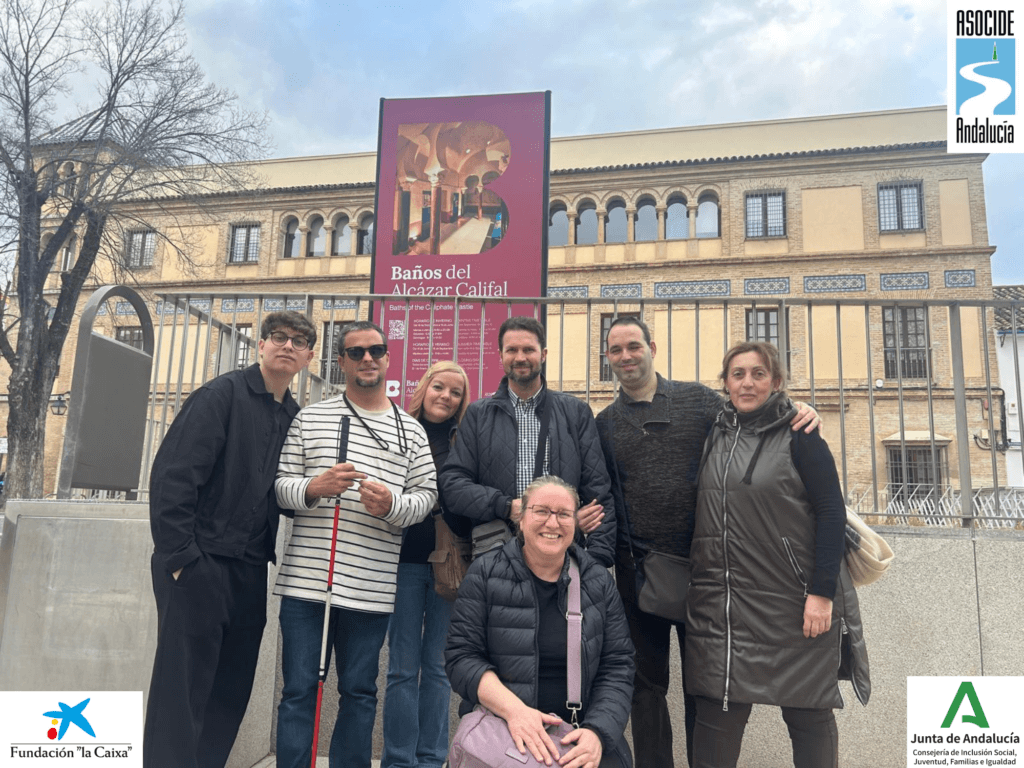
(771, 605)
(507, 643)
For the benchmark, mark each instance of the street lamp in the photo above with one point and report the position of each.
(59, 407)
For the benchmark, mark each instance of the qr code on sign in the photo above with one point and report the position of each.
(396, 329)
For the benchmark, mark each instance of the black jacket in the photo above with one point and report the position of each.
(479, 478)
(494, 627)
(753, 563)
(216, 467)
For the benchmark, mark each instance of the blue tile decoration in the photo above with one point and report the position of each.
(760, 286)
(569, 291)
(835, 283)
(903, 281)
(124, 308)
(623, 291)
(692, 289)
(960, 278)
(102, 310)
(237, 305)
(339, 304)
(273, 305)
(167, 307)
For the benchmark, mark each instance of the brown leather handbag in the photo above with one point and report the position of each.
(450, 559)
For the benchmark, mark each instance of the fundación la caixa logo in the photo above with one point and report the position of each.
(983, 74)
(40, 728)
(974, 721)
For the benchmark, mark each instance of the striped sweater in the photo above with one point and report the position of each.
(366, 564)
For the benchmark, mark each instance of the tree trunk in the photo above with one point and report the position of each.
(29, 397)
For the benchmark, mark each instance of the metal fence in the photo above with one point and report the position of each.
(912, 399)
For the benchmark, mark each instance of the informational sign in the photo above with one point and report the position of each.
(461, 215)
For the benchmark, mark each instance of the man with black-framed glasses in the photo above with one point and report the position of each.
(214, 518)
(383, 481)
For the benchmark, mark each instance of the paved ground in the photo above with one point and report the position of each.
(321, 762)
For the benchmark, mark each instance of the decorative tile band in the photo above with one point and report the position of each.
(759, 286)
(166, 307)
(960, 278)
(623, 291)
(339, 304)
(237, 305)
(276, 305)
(687, 289)
(903, 281)
(835, 283)
(569, 291)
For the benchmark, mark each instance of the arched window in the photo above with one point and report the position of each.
(677, 227)
(67, 253)
(317, 241)
(616, 229)
(558, 226)
(291, 239)
(341, 239)
(646, 228)
(364, 240)
(586, 223)
(708, 219)
(68, 174)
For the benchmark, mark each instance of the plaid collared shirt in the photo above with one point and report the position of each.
(528, 434)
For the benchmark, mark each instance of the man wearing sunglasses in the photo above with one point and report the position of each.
(382, 481)
(214, 518)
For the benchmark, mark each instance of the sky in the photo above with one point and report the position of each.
(320, 68)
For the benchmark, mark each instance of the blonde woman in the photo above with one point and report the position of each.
(418, 692)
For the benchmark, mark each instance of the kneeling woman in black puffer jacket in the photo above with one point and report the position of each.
(507, 642)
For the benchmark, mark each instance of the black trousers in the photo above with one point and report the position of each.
(649, 716)
(719, 735)
(210, 623)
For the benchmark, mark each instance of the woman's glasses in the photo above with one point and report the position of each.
(542, 514)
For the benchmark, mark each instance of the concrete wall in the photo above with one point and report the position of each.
(76, 612)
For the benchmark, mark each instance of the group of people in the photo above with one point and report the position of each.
(743, 487)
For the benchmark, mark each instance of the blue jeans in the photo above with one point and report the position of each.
(416, 704)
(358, 638)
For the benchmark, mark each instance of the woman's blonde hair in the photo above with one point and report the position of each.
(441, 366)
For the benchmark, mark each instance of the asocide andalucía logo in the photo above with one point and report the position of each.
(44, 728)
(983, 66)
(973, 721)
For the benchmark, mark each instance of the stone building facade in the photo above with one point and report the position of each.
(795, 230)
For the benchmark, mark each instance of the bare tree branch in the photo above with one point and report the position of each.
(155, 135)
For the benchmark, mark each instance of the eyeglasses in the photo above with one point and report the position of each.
(542, 514)
(299, 343)
(377, 351)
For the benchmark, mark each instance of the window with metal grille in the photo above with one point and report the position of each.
(139, 248)
(244, 350)
(921, 474)
(900, 207)
(245, 243)
(766, 214)
(904, 336)
(606, 325)
(329, 369)
(130, 335)
(763, 325)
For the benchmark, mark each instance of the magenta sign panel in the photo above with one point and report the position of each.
(461, 215)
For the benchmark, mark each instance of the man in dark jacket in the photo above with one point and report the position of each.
(524, 431)
(214, 517)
